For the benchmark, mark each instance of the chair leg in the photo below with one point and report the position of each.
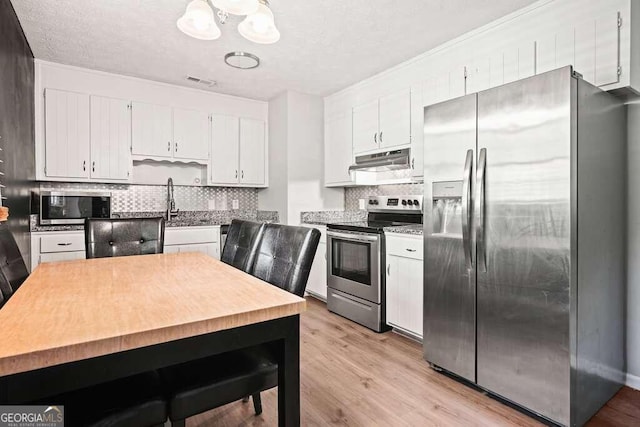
(257, 403)
(178, 423)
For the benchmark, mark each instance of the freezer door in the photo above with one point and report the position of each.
(449, 271)
(523, 224)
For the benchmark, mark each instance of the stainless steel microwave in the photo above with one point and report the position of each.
(64, 208)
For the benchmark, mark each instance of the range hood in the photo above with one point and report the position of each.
(383, 162)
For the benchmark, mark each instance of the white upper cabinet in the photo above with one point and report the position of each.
(365, 127)
(383, 123)
(591, 46)
(66, 134)
(110, 138)
(169, 133)
(338, 149)
(417, 131)
(252, 152)
(152, 132)
(395, 119)
(225, 149)
(607, 49)
(238, 151)
(190, 134)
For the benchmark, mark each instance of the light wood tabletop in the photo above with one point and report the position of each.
(69, 311)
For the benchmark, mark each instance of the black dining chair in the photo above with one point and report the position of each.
(283, 257)
(123, 236)
(13, 271)
(136, 401)
(241, 245)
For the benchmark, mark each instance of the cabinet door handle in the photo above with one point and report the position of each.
(413, 163)
(84, 165)
(93, 166)
(236, 173)
(410, 250)
(388, 269)
(380, 136)
(168, 145)
(375, 137)
(176, 146)
(64, 244)
(242, 174)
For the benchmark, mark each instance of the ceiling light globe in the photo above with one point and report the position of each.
(237, 7)
(260, 27)
(198, 21)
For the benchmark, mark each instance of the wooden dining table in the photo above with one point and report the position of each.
(78, 323)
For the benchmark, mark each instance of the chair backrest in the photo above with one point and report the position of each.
(241, 245)
(123, 236)
(285, 255)
(13, 271)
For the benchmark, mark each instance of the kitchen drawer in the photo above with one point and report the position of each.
(68, 242)
(62, 256)
(191, 235)
(408, 247)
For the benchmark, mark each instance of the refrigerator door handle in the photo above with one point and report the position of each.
(480, 230)
(466, 210)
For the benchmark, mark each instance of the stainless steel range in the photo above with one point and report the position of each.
(356, 259)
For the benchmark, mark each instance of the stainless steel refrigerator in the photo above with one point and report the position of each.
(524, 271)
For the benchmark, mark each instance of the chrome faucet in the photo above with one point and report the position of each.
(171, 203)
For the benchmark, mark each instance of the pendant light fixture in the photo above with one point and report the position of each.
(198, 21)
(260, 27)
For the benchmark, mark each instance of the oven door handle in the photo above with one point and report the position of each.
(354, 237)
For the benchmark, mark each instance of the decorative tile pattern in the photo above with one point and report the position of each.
(149, 198)
(353, 194)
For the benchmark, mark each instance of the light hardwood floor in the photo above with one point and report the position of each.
(353, 376)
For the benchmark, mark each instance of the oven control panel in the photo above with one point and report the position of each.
(395, 203)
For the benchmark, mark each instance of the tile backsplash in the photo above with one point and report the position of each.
(353, 194)
(148, 198)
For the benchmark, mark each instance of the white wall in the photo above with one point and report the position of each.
(275, 197)
(633, 245)
(296, 159)
(306, 158)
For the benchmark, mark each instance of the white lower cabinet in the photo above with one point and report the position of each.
(53, 246)
(404, 283)
(317, 283)
(193, 239)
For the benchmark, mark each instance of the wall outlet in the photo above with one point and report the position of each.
(235, 204)
(211, 204)
(361, 203)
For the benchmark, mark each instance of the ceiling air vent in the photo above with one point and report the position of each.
(204, 82)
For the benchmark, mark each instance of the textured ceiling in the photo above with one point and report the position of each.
(325, 46)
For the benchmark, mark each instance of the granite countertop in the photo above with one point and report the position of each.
(184, 219)
(413, 229)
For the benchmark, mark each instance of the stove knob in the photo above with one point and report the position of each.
(410, 202)
(415, 202)
(404, 203)
(371, 202)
